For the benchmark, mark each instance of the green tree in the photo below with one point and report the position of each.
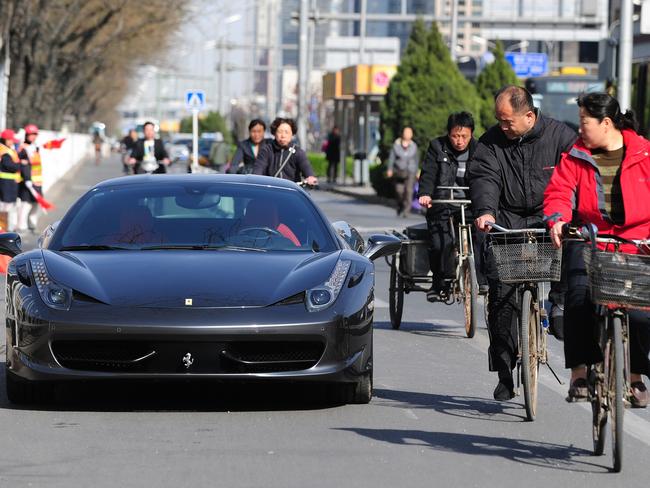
(426, 88)
(495, 75)
(211, 122)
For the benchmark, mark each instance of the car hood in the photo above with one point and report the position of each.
(167, 278)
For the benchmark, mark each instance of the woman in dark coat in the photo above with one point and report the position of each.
(283, 159)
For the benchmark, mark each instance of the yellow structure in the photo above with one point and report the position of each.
(365, 79)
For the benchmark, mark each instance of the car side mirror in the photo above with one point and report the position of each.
(47, 234)
(10, 244)
(350, 235)
(382, 245)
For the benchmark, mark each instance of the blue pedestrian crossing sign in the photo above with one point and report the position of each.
(195, 99)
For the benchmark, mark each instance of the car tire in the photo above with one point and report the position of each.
(362, 392)
(22, 392)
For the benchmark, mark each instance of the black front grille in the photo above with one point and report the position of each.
(103, 355)
(168, 356)
(268, 356)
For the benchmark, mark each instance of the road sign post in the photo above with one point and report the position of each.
(195, 101)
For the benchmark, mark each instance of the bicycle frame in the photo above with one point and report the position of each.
(464, 245)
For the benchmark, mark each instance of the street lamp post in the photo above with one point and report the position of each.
(625, 56)
(302, 71)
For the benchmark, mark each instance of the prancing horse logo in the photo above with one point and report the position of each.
(188, 360)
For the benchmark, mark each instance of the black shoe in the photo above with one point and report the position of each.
(503, 392)
(435, 296)
(556, 322)
(578, 391)
(505, 388)
(483, 289)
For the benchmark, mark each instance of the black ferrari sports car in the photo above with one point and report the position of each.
(192, 276)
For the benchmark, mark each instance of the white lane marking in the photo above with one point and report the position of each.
(410, 414)
(379, 303)
(634, 425)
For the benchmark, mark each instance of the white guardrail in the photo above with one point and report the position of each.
(76, 149)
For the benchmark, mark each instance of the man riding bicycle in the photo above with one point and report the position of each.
(603, 180)
(445, 165)
(507, 176)
(149, 151)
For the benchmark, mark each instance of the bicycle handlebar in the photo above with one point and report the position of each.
(500, 228)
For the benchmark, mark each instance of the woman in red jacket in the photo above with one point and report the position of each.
(603, 180)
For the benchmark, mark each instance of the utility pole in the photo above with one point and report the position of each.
(303, 74)
(625, 56)
(453, 35)
(222, 72)
(362, 31)
(5, 67)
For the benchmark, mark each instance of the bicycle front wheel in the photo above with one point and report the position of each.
(470, 296)
(598, 384)
(396, 295)
(528, 337)
(616, 386)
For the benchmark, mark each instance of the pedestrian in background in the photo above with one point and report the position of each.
(97, 142)
(403, 169)
(333, 154)
(127, 145)
(32, 180)
(10, 166)
(248, 149)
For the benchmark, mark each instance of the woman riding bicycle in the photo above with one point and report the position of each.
(603, 180)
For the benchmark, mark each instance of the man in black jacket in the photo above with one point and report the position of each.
(148, 151)
(508, 174)
(444, 165)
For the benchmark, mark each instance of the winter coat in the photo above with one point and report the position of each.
(440, 168)
(576, 184)
(272, 156)
(404, 159)
(507, 178)
(245, 156)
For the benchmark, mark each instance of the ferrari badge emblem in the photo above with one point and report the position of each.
(187, 360)
(188, 302)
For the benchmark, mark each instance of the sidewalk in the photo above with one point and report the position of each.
(365, 193)
(68, 189)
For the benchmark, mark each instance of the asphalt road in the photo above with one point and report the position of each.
(432, 421)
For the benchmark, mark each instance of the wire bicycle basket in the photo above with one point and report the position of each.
(618, 279)
(525, 256)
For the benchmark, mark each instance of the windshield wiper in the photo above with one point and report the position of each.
(201, 247)
(94, 247)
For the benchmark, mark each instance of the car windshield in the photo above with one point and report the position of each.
(193, 215)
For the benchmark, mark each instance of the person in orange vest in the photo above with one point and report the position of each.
(32, 180)
(10, 166)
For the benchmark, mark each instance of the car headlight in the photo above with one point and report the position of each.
(321, 297)
(54, 295)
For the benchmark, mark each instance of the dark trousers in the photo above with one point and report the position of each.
(443, 226)
(404, 182)
(332, 169)
(504, 308)
(580, 321)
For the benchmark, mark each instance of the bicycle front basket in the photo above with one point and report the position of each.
(525, 257)
(618, 279)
